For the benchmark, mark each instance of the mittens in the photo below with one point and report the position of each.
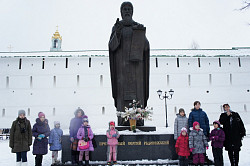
(207, 147)
(114, 135)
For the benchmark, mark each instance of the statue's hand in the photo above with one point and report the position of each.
(139, 27)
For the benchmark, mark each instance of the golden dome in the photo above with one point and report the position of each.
(56, 35)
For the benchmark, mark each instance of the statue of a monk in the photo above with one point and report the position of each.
(129, 62)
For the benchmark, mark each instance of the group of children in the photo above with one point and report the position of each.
(21, 139)
(84, 138)
(81, 137)
(197, 142)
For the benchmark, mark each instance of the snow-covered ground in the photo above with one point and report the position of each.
(7, 158)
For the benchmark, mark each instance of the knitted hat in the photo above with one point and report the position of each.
(85, 118)
(217, 122)
(21, 112)
(183, 129)
(195, 124)
(56, 123)
(40, 114)
(112, 123)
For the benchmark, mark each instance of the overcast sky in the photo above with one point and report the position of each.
(86, 24)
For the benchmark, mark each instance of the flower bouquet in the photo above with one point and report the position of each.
(136, 112)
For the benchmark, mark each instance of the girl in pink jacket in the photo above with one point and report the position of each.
(112, 141)
(85, 133)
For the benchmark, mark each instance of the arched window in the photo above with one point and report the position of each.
(55, 43)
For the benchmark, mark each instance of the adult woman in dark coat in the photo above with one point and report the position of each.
(20, 138)
(234, 132)
(40, 131)
(75, 124)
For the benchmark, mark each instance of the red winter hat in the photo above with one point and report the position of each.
(112, 123)
(195, 124)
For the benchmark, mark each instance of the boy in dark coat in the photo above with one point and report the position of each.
(41, 132)
(21, 138)
(234, 130)
(217, 136)
(182, 148)
(198, 115)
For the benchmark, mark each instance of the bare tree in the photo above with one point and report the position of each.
(194, 45)
(246, 5)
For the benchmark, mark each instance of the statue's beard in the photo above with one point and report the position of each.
(127, 17)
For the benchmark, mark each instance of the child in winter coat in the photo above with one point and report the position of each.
(197, 144)
(55, 141)
(180, 121)
(85, 133)
(41, 133)
(217, 136)
(20, 138)
(182, 148)
(112, 139)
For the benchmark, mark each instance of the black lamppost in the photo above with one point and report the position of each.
(165, 96)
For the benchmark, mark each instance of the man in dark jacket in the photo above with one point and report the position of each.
(21, 138)
(198, 115)
(234, 132)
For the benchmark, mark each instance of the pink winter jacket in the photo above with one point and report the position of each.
(110, 139)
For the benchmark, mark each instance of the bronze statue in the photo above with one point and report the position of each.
(129, 62)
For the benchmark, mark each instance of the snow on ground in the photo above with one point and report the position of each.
(7, 158)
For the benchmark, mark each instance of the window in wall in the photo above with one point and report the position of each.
(210, 79)
(43, 63)
(54, 82)
(101, 80)
(3, 113)
(189, 80)
(66, 65)
(54, 111)
(78, 80)
(239, 62)
(20, 63)
(31, 81)
(7, 82)
(199, 62)
(167, 80)
(89, 61)
(103, 110)
(245, 107)
(231, 79)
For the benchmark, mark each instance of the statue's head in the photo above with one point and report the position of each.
(127, 11)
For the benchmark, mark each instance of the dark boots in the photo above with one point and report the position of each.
(38, 160)
(87, 162)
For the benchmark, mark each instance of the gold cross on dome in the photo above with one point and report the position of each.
(10, 48)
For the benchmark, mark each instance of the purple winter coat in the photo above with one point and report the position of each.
(81, 134)
(75, 124)
(40, 146)
(218, 137)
